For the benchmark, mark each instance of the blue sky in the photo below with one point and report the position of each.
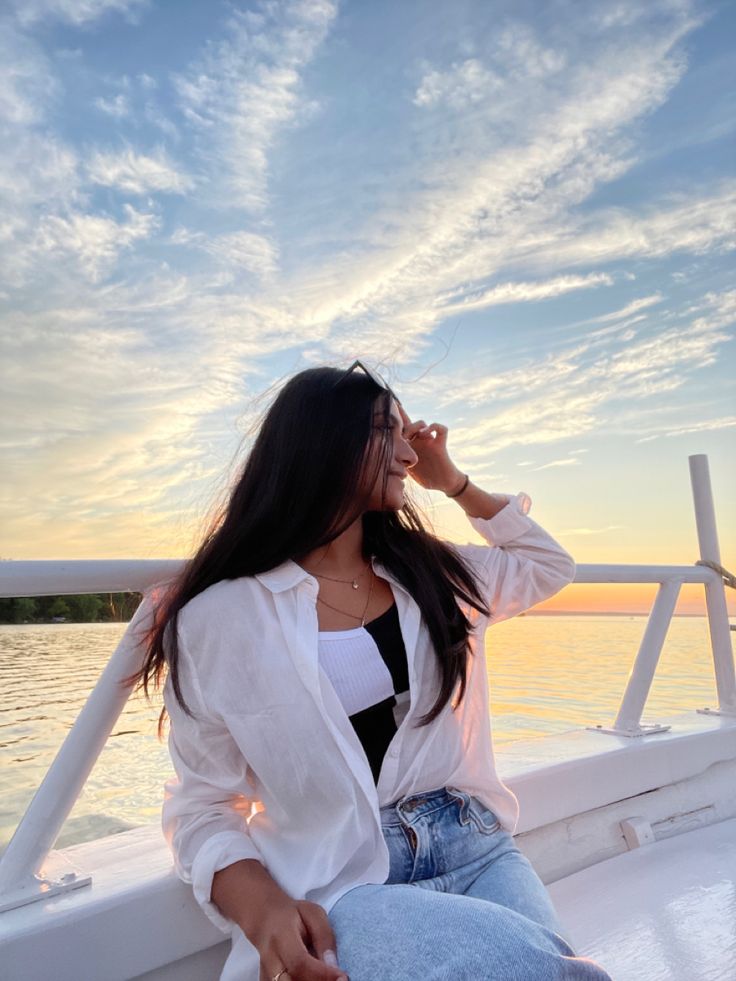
(523, 213)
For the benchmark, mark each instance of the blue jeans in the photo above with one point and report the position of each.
(461, 901)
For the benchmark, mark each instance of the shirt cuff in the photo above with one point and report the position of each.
(219, 851)
(510, 522)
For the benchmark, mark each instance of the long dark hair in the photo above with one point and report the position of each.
(304, 482)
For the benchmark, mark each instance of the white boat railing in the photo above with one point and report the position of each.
(22, 878)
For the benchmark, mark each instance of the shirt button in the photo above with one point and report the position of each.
(393, 753)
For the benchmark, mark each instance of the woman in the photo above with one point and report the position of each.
(336, 806)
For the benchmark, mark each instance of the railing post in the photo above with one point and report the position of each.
(715, 591)
(628, 720)
(21, 878)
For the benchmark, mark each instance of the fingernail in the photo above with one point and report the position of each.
(330, 957)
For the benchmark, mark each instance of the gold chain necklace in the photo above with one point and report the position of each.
(351, 615)
(353, 582)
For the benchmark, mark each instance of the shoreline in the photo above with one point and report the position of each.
(604, 613)
(527, 613)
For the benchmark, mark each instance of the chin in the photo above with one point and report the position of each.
(393, 502)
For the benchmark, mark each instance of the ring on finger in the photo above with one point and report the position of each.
(284, 970)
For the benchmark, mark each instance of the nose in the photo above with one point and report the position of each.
(407, 455)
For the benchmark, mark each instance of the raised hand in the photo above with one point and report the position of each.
(434, 469)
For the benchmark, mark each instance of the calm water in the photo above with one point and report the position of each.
(548, 674)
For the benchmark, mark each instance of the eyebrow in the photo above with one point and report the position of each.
(394, 418)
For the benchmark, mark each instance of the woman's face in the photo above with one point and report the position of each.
(401, 459)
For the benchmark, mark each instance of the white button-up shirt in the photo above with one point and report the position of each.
(272, 768)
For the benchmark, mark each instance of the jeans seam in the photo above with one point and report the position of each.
(484, 829)
(474, 809)
(462, 798)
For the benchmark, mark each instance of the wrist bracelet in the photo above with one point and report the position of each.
(458, 493)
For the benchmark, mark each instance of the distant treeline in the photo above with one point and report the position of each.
(91, 608)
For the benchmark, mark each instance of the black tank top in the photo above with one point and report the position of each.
(365, 664)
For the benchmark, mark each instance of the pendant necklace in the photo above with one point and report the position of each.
(351, 615)
(353, 582)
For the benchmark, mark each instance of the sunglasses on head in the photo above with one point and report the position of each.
(373, 375)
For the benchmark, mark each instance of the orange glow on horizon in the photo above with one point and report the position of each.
(626, 598)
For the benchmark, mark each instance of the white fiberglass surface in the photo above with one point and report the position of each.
(662, 912)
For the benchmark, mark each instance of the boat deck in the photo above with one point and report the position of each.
(661, 911)
(665, 911)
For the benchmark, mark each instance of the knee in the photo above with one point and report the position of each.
(404, 933)
(500, 943)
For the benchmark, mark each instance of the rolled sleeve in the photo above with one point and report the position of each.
(207, 806)
(219, 851)
(510, 522)
(522, 565)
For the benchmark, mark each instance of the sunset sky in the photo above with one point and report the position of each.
(522, 213)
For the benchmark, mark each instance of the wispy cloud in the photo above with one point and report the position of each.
(477, 214)
(567, 462)
(27, 85)
(462, 85)
(76, 12)
(697, 224)
(92, 241)
(39, 174)
(137, 173)
(584, 388)
(118, 106)
(516, 56)
(704, 426)
(244, 90)
(623, 313)
(521, 292)
(240, 251)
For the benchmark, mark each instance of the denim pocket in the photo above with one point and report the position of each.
(482, 817)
